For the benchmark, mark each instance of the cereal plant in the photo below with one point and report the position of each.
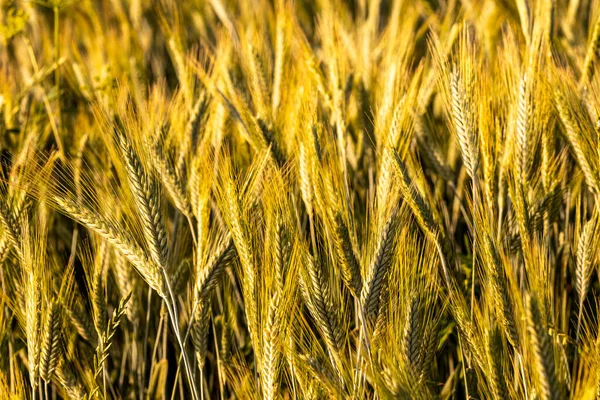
(298, 199)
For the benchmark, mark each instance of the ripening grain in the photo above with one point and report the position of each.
(297, 199)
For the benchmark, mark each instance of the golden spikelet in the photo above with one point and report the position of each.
(147, 198)
(464, 121)
(376, 278)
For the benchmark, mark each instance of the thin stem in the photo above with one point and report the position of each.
(462, 353)
(523, 376)
(579, 314)
(172, 308)
(438, 246)
(145, 352)
(46, 101)
(474, 189)
(103, 371)
(57, 69)
(176, 378)
(186, 361)
(161, 322)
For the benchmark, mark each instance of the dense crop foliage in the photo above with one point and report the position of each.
(362, 199)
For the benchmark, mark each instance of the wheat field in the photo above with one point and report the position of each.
(297, 199)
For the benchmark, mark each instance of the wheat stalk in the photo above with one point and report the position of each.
(270, 352)
(118, 239)
(199, 332)
(590, 55)
(502, 300)
(543, 352)
(376, 278)
(351, 271)
(318, 299)
(215, 267)
(583, 270)
(464, 121)
(496, 368)
(102, 351)
(146, 194)
(50, 341)
(522, 129)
